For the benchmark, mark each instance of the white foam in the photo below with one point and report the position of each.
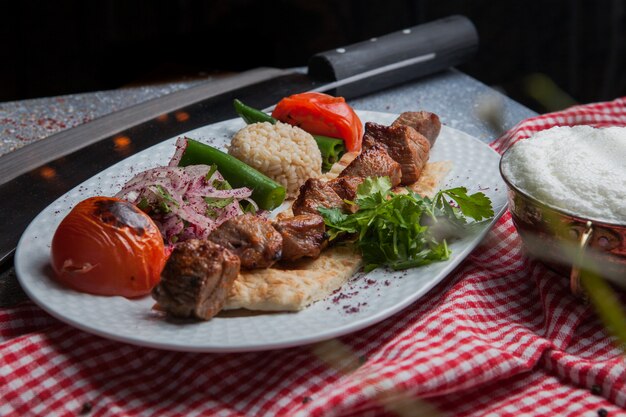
(579, 169)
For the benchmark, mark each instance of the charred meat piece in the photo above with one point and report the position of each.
(374, 162)
(407, 147)
(303, 236)
(316, 193)
(251, 238)
(426, 123)
(346, 186)
(196, 279)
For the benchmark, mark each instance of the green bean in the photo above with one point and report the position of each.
(332, 149)
(267, 193)
(251, 115)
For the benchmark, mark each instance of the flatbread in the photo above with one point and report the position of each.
(431, 178)
(296, 286)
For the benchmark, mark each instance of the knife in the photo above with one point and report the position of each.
(34, 176)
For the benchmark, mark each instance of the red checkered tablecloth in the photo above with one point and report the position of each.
(501, 336)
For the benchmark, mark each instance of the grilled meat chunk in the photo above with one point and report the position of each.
(426, 123)
(404, 144)
(374, 162)
(346, 186)
(303, 236)
(316, 193)
(196, 279)
(251, 238)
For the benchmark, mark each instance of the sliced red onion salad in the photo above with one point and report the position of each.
(185, 202)
(181, 145)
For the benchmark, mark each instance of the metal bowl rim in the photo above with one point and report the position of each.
(559, 210)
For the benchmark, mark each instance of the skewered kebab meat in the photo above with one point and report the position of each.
(194, 286)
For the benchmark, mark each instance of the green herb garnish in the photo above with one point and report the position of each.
(221, 185)
(216, 203)
(164, 200)
(143, 204)
(405, 230)
(477, 206)
(212, 170)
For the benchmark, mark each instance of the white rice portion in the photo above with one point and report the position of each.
(580, 169)
(283, 152)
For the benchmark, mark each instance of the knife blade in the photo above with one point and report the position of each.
(34, 176)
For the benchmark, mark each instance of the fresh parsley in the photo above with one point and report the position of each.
(214, 204)
(218, 184)
(165, 200)
(404, 230)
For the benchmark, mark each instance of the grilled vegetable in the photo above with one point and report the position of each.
(250, 114)
(322, 114)
(332, 149)
(267, 193)
(107, 246)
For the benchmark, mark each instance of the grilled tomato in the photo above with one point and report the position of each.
(322, 114)
(108, 246)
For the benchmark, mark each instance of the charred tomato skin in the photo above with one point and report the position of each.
(108, 246)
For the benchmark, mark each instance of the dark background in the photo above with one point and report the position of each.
(545, 54)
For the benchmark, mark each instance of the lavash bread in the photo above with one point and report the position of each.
(296, 286)
(431, 178)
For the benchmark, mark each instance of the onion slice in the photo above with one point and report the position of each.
(185, 202)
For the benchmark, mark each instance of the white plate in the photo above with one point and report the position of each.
(365, 300)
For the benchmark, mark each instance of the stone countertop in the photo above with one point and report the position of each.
(27, 121)
(461, 102)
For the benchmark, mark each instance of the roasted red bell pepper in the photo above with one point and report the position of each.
(322, 114)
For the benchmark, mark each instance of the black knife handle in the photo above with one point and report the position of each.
(410, 53)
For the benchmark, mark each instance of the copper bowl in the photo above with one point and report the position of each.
(565, 241)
